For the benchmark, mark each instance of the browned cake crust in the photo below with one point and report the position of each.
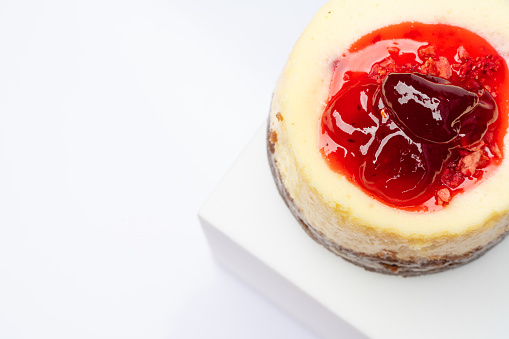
(384, 262)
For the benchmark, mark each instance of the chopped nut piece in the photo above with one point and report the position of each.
(488, 137)
(462, 53)
(388, 63)
(444, 68)
(443, 196)
(484, 161)
(441, 67)
(495, 150)
(429, 67)
(426, 52)
(452, 178)
(469, 163)
(375, 73)
(381, 69)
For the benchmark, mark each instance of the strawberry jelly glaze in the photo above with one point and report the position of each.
(380, 145)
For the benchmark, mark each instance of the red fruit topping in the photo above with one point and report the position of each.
(416, 114)
(429, 111)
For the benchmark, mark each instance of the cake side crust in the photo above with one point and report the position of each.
(387, 261)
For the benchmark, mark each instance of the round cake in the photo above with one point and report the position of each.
(388, 132)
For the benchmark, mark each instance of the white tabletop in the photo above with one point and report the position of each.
(117, 120)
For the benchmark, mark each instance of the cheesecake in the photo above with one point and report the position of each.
(387, 134)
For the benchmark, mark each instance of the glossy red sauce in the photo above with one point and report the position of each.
(416, 114)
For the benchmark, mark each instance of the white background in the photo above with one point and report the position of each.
(117, 120)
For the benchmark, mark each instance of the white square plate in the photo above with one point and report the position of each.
(253, 234)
